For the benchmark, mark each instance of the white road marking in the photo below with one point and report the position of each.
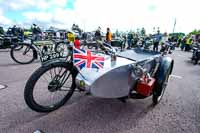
(182, 56)
(176, 76)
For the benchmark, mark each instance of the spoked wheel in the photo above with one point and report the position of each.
(62, 48)
(50, 87)
(22, 53)
(160, 88)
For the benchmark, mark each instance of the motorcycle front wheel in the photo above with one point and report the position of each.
(50, 87)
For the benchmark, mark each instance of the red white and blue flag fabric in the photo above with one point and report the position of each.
(87, 59)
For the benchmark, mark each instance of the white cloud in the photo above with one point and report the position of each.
(38, 16)
(18, 4)
(116, 14)
(26, 4)
(47, 4)
(61, 18)
(3, 20)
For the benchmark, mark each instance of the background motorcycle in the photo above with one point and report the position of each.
(196, 53)
(8, 41)
(166, 47)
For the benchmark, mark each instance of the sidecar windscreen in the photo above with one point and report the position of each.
(138, 54)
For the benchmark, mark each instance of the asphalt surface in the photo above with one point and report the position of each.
(178, 112)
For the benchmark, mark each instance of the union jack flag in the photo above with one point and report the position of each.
(87, 59)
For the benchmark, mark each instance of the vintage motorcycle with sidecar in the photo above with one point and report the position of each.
(135, 73)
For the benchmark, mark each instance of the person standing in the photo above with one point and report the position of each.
(130, 39)
(108, 36)
(98, 34)
(165, 38)
(183, 43)
(157, 39)
(188, 43)
(58, 36)
(36, 32)
(21, 34)
(165, 43)
(14, 30)
(77, 43)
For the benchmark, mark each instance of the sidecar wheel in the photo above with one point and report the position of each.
(50, 87)
(160, 88)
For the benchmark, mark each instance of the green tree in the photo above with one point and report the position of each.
(1, 30)
(194, 32)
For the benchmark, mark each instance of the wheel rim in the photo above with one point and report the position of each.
(23, 54)
(52, 87)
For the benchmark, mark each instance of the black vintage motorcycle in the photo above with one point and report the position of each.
(7, 41)
(27, 52)
(166, 47)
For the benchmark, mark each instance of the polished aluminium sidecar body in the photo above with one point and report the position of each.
(118, 77)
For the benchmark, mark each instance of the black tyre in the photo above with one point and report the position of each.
(160, 88)
(50, 87)
(195, 61)
(23, 53)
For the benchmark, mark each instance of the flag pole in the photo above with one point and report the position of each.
(174, 25)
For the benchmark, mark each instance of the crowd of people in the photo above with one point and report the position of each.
(131, 39)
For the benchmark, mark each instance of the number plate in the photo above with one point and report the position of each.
(51, 56)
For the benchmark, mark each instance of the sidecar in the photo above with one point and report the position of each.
(135, 73)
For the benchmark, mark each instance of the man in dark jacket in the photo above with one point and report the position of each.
(130, 38)
(36, 32)
(157, 39)
(14, 30)
(98, 34)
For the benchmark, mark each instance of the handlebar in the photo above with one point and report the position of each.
(106, 47)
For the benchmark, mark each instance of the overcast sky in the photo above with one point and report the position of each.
(116, 14)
